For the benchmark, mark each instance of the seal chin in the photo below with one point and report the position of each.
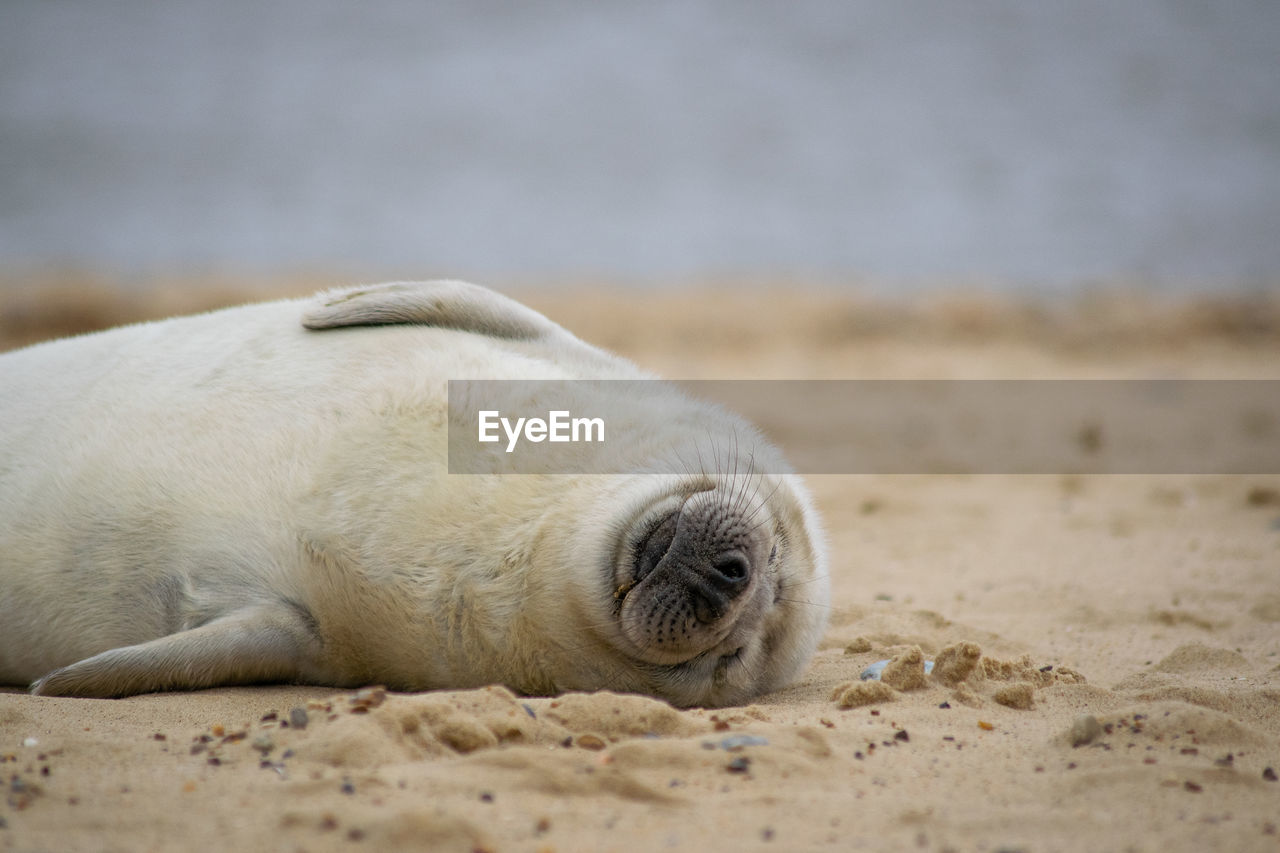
(690, 578)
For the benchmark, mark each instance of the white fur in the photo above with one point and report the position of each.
(232, 497)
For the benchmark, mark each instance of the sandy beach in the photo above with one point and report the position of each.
(1107, 647)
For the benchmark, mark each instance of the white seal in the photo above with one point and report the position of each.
(262, 494)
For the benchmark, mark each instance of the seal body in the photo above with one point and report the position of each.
(262, 494)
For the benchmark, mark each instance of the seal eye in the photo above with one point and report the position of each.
(773, 555)
(654, 546)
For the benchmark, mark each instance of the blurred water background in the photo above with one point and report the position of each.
(894, 144)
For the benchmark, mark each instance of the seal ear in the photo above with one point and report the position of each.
(443, 304)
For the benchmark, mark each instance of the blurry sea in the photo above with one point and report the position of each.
(1005, 143)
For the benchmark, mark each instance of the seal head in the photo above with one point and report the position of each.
(720, 588)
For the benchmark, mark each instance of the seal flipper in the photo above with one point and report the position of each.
(266, 643)
(444, 304)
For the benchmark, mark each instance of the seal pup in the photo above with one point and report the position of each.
(261, 494)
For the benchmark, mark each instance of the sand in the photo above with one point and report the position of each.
(1108, 647)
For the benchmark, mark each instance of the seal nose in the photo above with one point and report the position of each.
(709, 574)
(716, 583)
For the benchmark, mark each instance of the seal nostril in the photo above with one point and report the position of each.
(654, 547)
(732, 568)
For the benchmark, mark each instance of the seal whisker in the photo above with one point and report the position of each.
(805, 603)
(742, 483)
(791, 583)
(817, 576)
(767, 518)
(767, 498)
